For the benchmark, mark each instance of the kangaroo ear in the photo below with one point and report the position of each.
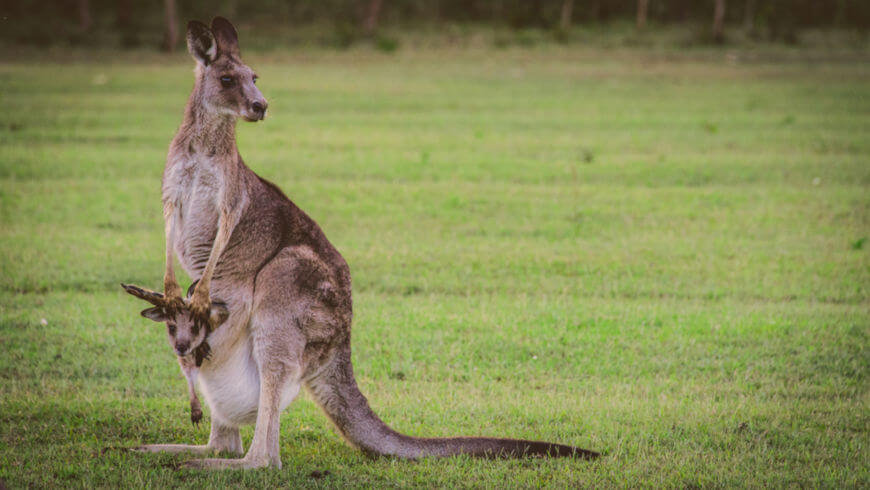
(218, 314)
(226, 36)
(157, 314)
(201, 42)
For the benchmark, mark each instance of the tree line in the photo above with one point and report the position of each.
(132, 21)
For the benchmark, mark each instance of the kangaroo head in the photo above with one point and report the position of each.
(185, 336)
(226, 85)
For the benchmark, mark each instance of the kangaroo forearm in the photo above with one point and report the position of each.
(170, 283)
(225, 228)
(169, 280)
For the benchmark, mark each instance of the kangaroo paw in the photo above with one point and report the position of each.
(199, 307)
(195, 415)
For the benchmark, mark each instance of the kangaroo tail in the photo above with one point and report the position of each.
(335, 390)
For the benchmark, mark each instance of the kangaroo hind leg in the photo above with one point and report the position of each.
(278, 352)
(222, 438)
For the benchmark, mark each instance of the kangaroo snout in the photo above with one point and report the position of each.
(258, 107)
(181, 347)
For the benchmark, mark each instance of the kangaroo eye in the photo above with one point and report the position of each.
(227, 81)
(256, 78)
(171, 328)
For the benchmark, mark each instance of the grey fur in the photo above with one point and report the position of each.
(288, 290)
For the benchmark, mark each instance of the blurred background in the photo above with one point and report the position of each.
(388, 24)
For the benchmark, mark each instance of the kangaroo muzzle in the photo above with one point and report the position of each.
(258, 109)
(181, 347)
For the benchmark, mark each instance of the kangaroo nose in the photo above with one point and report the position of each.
(181, 347)
(260, 107)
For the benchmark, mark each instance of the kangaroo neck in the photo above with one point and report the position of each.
(205, 130)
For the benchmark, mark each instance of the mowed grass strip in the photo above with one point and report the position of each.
(661, 258)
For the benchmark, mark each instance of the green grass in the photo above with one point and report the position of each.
(658, 256)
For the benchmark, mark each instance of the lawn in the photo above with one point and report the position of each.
(660, 256)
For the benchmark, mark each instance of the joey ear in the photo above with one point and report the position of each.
(156, 313)
(226, 36)
(192, 288)
(218, 313)
(201, 42)
(153, 297)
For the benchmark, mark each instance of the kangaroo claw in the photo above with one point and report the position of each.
(174, 304)
(199, 308)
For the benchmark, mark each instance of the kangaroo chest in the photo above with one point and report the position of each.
(195, 189)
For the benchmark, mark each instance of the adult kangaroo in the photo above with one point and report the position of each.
(286, 288)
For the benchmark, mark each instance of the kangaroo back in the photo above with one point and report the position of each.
(334, 388)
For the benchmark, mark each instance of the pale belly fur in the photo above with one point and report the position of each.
(232, 389)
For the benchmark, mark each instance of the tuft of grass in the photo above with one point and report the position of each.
(386, 44)
(544, 244)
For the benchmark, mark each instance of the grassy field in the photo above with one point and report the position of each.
(663, 257)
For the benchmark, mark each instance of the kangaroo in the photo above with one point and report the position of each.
(287, 290)
(187, 339)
